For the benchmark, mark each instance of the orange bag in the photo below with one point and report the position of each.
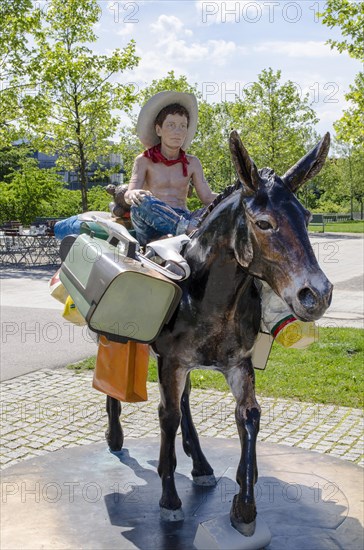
(121, 370)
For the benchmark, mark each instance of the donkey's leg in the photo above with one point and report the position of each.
(171, 384)
(202, 472)
(247, 413)
(114, 433)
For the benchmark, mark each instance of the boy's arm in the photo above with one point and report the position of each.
(135, 193)
(203, 190)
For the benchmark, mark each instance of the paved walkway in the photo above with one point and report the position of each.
(49, 409)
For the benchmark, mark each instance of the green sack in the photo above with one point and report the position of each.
(94, 229)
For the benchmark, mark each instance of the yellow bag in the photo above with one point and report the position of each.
(121, 370)
(56, 289)
(71, 313)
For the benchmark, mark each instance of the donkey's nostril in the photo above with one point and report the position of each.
(307, 298)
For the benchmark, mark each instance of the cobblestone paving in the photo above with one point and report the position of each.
(51, 409)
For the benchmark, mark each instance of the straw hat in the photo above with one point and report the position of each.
(145, 126)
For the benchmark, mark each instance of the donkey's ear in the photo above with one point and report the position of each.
(244, 166)
(308, 166)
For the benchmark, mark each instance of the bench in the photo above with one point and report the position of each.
(343, 217)
(318, 219)
(330, 218)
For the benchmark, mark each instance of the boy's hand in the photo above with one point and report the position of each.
(135, 197)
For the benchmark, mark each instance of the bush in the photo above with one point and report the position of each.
(326, 205)
(98, 198)
(26, 190)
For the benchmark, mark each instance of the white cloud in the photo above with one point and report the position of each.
(178, 50)
(167, 24)
(174, 43)
(309, 48)
(220, 50)
(127, 30)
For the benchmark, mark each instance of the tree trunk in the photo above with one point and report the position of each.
(83, 178)
(83, 185)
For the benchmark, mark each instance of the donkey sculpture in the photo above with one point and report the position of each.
(255, 229)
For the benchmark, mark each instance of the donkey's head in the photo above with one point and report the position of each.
(272, 241)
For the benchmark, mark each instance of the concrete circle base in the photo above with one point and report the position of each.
(87, 497)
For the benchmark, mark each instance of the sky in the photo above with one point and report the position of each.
(223, 46)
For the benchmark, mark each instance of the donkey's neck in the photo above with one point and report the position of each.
(213, 240)
(215, 272)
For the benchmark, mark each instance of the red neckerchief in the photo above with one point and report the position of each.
(155, 155)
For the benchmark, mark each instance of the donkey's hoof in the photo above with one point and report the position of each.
(206, 481)
(171, 515)
(246, 529)
(114, 442)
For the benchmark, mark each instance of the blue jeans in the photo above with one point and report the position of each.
(69, 226)
(153, 219)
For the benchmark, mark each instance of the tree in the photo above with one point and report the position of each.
(211, 144)
(350, 127)
(26, 190)
(352, 159)
(340, 182)
(18, 18)
(348, 16)
(275, 123)
(11, 158)
(74, 113)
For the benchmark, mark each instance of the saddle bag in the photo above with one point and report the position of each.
(121, 370)
(119, 296)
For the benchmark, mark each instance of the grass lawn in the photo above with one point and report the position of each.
(356, 226)
(330, 371)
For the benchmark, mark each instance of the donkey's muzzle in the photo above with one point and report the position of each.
(312, 302)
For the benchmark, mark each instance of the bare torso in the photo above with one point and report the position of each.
(168, 183)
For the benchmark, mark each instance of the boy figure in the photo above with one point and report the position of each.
(159, 184)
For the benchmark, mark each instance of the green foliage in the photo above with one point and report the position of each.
(74, 113)
(193, 202)
(11, 158)
(350, 128)
(340, 182)
(17, 19)
(327, 205)
(169, 82)
(349, 17)
(211, 145)
(26, 191)
(65, 204)
(274, 122)
(98, 198)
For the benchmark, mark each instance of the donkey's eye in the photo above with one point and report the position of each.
(264, 225)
